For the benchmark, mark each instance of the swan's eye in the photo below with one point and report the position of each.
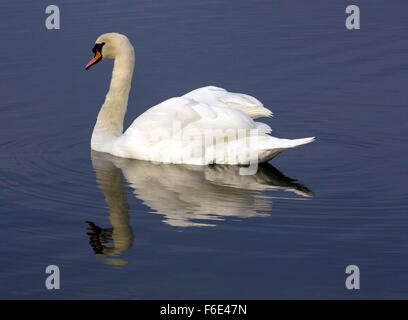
(98, 47)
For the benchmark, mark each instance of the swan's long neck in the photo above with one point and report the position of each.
(109, 125)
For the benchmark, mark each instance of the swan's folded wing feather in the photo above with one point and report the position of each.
(183, 113)
(215, 96)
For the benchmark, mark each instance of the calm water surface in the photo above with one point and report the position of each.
(129, 229)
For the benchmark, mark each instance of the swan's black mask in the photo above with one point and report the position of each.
(97, 50)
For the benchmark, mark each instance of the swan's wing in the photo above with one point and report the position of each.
(169, 129)
(215, 96)
(184, 113)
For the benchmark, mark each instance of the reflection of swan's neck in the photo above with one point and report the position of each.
(110, 179)
(109, 125)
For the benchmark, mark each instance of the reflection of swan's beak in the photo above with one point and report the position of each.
(94, 234)
(98, 236)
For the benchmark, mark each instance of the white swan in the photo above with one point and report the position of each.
(207, 125)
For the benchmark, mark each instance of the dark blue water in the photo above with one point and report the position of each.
(180, 232)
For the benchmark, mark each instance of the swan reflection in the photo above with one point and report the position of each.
(184, 195)
(110, 180)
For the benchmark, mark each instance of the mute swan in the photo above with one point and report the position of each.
(207, 125)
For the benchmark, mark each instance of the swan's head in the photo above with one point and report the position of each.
(110, 46)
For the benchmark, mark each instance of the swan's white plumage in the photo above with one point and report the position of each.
(215, 96)
(188, 129)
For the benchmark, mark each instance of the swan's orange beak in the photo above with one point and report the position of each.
(95, 60)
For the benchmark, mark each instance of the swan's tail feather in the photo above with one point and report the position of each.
(271, 143)
(276, 146)
(298, 142)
